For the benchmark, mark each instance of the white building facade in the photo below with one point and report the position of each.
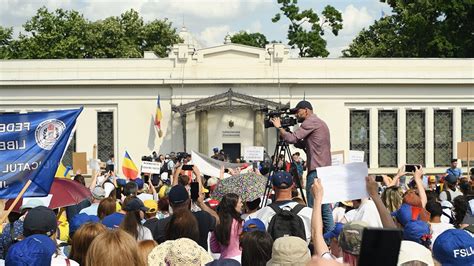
(396, 110)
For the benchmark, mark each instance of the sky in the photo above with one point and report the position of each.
(209, 21)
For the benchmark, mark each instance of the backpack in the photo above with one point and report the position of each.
(286, 222)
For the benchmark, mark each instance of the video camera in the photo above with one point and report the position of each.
(286, 117)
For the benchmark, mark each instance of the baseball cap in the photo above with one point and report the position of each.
(289, 250)
(454, 247)
(302, 105)
(417, 231)
(140, 183)
(34, 250)
(40, 220)
(215, 149)
(335, 232)
(282, 179)
(98, 193)
(121, 182)
(254, 225)
(152, 205)
(79, 219)
(163, 192)
(178, 194)
(407, 213)
(451, 179)
(350, 238)
(135, 204)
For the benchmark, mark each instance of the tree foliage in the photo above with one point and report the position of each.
(67, 34)
(306, 29)
(419, 29)
(252, 39)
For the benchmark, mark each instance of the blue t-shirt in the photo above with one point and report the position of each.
(113, 221)
(455, 172)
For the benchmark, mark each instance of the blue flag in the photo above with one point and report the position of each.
(31, 147)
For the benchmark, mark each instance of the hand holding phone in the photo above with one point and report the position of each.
(378, 178)
(187, 167)
(411, 168)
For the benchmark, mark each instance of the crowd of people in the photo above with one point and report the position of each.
(137, 222)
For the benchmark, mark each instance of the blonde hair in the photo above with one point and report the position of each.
(392, 198)
(145, 247)
(114, 247)
(83, 238)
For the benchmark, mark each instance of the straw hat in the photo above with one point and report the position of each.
(182, 251)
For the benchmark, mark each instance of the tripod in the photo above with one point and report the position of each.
(281, 148)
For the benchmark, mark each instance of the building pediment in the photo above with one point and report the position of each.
(231, 52)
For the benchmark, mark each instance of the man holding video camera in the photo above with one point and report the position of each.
(313, 137)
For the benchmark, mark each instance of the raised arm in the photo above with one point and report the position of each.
(418, 176)
(385, 217)
(200, 203)
(94, 180)
(320, 246)
(177, 171)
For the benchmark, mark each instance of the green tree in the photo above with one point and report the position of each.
(5, 40)
(67, 34)
(309, 41)
(251, 39)
(419, 29)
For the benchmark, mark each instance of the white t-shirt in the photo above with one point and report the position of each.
(437, 229)
(338, 214)
(61, 260)
(454, 194)
(367, 212)
(144, 233)
(266, 214)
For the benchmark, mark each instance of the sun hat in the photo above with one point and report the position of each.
(289, 250)
(182, 251)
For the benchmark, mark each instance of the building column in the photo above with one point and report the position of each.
(457, 129)
(374, 137)
(429, 133)
(402, 136)
(258, 129)
(203, 133)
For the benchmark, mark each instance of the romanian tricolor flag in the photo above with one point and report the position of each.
(158, 116)
(129, 168)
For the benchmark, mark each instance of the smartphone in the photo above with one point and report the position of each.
(411, 168)
(226, 170)
(187, 167)
(194, 190)
(380, 246)
(378, 178)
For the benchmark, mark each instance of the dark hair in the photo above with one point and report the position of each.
(131, 188)
(164, 204)
(454, 160)
(111, 156)
(183, 180)
(256, 248)
(460, 206)
(106, 207)
(227, 214)
(253, 205)
(80, 179)
(132, 219)
(434, 208)
(182, 224)
(431, 195)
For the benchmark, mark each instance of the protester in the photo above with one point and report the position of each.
(106, 207)
(114, 220)
(282, 184)
(98, 194)
(183, 224)
(225, 238)
(71, 211)
(453, 169)
(82, 239)
(144, 249)
(36, 249)
(251, 207)
(79, 220)
(179, 198)
(412, 253)
(114, 247)
(135, 212)
(256, 246)
(462, 213)
(450, 189)
(150, 214)
(312, 136)
(437, 226)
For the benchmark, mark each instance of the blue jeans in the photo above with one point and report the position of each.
(328, 221)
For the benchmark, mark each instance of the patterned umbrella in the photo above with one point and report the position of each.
(248, 186)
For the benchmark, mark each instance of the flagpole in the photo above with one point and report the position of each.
(20, 195)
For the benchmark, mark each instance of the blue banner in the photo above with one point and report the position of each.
(31, 147)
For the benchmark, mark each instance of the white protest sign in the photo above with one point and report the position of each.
(94, 164)
(253, 153)
(356, 157)
(151, 167)
(337, 158)
(344, 182)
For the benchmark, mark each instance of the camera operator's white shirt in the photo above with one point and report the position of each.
(266, 214)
